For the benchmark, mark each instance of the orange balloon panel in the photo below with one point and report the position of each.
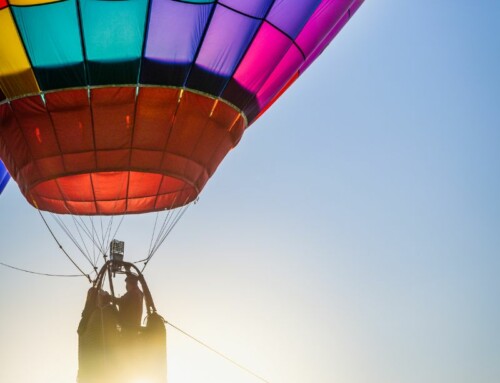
(116, 150)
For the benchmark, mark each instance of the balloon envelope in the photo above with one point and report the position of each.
(114, 107)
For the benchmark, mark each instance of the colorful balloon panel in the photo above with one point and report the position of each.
(129, 106)
(4, 177)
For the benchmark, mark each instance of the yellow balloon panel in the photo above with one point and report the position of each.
(31, 2)
(16, 75)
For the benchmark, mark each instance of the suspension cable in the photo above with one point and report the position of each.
(70, 235)
(94, 257)
(62, 249)
(170, 228)
(159, 242)
(153, 234)
(90, 234)
(166, 228)
(217, 352)
(43, 274)
(167, 217)
(118, 227)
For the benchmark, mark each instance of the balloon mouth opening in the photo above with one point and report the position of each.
(112, 193)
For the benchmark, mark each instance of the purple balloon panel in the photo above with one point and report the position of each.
(254, 8)
(226, 40)
(175, 31)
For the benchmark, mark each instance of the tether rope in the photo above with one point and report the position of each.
(39, 273)
(240, 366)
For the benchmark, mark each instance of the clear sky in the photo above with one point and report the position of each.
(353, 235)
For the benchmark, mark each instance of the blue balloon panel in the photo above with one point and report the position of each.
(4, 177)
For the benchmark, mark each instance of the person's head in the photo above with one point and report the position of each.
(131, 281)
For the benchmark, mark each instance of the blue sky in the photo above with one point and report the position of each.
(352, 236)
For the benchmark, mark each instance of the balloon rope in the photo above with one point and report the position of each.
(164, 227)
(62, 249)
(94, 257)
(72, 238)
(169, 213)
(116, 231)
(164, 235)
(153, 234)
(168, 229)
(217, 352)
(43, 274)
(80, 226)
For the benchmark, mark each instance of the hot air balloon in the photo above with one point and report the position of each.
(124, 107)
(112, 107)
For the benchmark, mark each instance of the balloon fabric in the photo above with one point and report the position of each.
(4, 177)
(111, 107)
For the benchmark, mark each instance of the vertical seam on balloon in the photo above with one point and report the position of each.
(26, 52)
(49, 115)
(164, 151)
(143, 52)
(86, 71)
(145, 39)
(91, 110)
(200, 44)
(136, 102)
